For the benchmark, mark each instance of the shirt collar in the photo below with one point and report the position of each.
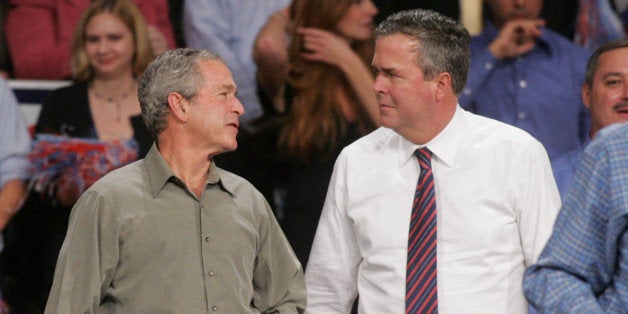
(444, 146)
(159, 173)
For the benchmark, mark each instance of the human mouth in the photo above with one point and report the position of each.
(385, 107)
(105, 60)
(519, 14)
(621, 108)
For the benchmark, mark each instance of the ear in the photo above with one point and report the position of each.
(443, 85)
(179, 106)
(585, 93)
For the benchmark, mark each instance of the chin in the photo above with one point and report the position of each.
(363, 37)
(231, 147)
(387, 122)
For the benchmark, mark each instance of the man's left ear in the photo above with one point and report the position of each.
(179, 106)
(443, 84)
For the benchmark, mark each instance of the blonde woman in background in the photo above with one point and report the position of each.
(110, 51)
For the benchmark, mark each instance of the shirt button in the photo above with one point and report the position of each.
(488, 65)
(523, 84)
(207, 239)
(521, 115)
(214, 308)
(211, 273)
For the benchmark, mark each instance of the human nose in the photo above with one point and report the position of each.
(371, 8)
(238, 107)
(102, 46)
(379, 85)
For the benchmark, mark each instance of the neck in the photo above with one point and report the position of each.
(430, 128)
(593, 131)
(188, 163)
(114, 91)
(115, 85)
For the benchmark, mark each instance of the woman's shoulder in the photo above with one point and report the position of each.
(68, 95)
(75, 87)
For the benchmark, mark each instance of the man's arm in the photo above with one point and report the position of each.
(539, 201)
(574, 268)
(515, 39)
(332, 271)
(278, 281)
(88, 258)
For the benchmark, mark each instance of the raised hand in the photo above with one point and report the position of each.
(516, 38)
(324, 46)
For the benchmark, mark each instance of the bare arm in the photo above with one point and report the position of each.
(270, 53)
(11, 197)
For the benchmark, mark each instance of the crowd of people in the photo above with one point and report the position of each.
(334, 155)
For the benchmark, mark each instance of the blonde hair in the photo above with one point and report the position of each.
(315, 121)
(131, 16)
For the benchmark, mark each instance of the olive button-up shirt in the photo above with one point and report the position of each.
(139, 241)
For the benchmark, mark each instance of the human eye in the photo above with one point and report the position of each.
(390, 74)
(612, 82)
(115, 37)
(91, 39)
(222, 94)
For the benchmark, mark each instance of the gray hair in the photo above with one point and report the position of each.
(177, 71)
(592, 64)
(442, 44)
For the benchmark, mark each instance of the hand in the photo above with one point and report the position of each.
(323, 46)
(516, 38)
(157, 40)
(67, 191)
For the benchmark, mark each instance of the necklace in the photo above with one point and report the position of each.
(113, 100)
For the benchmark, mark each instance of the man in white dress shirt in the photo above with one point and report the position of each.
(496, 199)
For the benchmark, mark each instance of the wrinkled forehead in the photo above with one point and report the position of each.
(216, 74)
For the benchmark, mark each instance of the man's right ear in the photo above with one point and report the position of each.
(179, 106)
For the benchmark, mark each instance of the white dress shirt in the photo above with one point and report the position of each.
(496, 201)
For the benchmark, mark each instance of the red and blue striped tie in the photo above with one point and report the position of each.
(421, 296)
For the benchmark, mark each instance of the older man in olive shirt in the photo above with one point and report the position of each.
(172, 233)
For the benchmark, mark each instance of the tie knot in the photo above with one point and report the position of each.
(424, 155)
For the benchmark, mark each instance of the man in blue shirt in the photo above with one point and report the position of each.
(605, 95)
(584, 266)
(526, 75)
